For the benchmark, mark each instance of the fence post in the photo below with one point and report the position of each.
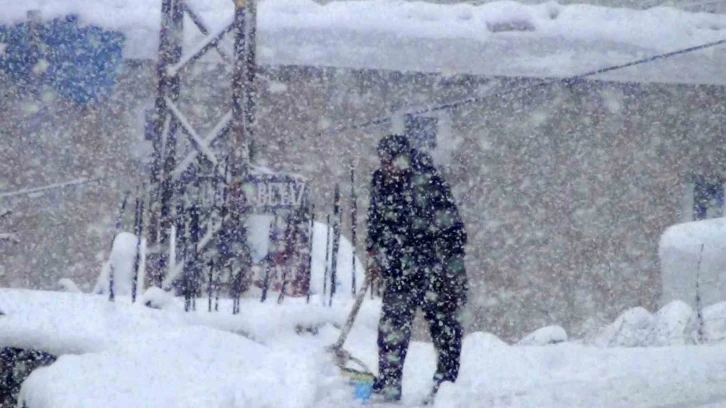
(353, 222)
(336, 242)
(311, 247)
(327, 254)
(138, 231)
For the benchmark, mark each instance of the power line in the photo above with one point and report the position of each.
(43, 189)
(476, 99)
(446, 106)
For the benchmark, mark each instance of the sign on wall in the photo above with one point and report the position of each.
(270, 193)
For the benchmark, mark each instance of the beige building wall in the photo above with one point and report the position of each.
(565, 188)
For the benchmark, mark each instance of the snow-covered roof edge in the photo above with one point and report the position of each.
(498, 38)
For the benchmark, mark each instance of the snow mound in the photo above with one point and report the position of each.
(669, 325)
(67, 285)
(569, 375)
(121, 261)
(157, 298)
(139, 356)
(544, 336)
(482, 341)
(675, 324)
(189, 367)
(71, 323)
(344, 270)
(630, 329)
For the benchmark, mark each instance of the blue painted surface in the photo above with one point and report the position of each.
(83, 61)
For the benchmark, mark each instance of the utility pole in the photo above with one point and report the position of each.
(240, 125)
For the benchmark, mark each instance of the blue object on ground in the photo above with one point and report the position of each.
(363, 390)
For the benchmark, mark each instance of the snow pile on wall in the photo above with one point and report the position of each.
(138, 356)
(682, 248)
(267, 322)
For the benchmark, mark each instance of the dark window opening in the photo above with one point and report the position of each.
(708, 197)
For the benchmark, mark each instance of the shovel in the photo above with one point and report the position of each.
(341, 356)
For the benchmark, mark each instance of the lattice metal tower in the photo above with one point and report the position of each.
(229, 160)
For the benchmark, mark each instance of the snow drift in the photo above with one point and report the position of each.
(187, 367)
(130, 355)
(675, 324)
(545, 336)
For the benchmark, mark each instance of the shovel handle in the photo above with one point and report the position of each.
(353, 312)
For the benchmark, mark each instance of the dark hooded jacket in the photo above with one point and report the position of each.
(413, 222)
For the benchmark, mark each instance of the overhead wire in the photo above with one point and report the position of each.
(480, 98)
(436, 108)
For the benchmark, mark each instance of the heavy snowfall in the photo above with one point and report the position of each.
(384, 203)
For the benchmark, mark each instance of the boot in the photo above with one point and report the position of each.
(429, 400)
(386, 392)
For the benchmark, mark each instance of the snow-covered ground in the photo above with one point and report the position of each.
(126, 245)
(119, 354)
(497, 38)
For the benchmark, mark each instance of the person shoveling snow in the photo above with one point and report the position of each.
(417, 238)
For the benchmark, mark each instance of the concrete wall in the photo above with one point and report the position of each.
(64, 232)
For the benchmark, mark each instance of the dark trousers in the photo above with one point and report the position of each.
(441, 301)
